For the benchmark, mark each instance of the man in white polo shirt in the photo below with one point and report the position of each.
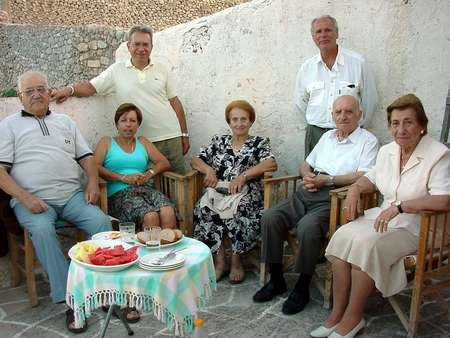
(340, 157)
(40, 158)
(151, 87)
(335, 71)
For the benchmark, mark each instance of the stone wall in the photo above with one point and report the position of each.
(159, 14)
(66, 54)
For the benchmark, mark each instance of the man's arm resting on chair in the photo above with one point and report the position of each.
(313, 182)
(92, 192)
(8, 185)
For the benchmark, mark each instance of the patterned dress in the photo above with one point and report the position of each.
(244, 228)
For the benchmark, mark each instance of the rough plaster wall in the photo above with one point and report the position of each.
(253, 52)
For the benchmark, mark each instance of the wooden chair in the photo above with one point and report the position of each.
(275, 190)
(183, 190)
(429, 266)
(21, 251)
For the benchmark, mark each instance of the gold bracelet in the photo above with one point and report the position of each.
(151, 171)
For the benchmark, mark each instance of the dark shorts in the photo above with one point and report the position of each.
(173, 151)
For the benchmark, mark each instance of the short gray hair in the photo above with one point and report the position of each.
(329, 17)
(141, 29)
(21, 77)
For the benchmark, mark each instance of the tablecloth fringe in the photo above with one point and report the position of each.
(144, 303)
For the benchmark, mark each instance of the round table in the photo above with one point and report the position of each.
(174, 296)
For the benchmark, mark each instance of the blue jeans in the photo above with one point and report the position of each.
(42, 229)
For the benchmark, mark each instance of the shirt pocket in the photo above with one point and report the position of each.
(316, 93)
(349, 88)
(65, 141)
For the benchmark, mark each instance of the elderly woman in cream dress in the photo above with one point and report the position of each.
(412, 173)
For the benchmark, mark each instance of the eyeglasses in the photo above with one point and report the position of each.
(30, 91)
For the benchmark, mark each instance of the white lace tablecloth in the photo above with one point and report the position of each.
(173, 296)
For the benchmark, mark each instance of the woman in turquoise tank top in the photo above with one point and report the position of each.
(127, 164)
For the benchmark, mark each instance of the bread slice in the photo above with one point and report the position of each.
(142, 237)
(114, 235)
(167, 236)
(178, 233)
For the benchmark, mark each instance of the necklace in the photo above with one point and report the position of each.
(125, 145)
(237, 146)
(403, 161)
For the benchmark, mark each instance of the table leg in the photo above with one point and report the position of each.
(116, 309)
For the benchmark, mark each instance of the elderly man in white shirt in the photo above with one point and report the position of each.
(340, 157)
(333, 72)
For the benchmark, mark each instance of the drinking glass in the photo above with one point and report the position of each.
(127, 230)
(154, 240)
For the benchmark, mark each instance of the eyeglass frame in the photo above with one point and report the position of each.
(39, 89)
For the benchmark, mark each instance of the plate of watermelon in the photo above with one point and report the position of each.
(104, 255)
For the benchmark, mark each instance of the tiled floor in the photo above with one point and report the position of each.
(230, 313)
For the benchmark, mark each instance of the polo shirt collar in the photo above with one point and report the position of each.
(27, 114)
(350, 138)
(129, 64)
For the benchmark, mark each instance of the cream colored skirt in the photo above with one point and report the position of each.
(377, 254)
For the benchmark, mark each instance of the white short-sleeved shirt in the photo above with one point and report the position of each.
(317, 87)
(149, 89)
(426, 173)
(43, 154)
(355, 153)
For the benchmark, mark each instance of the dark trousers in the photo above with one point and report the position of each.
(312, 136)
(306, 212)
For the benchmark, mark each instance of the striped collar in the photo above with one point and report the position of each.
(27, 114)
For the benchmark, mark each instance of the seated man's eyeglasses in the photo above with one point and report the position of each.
(30, 91)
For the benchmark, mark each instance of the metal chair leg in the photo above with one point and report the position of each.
(116, 310)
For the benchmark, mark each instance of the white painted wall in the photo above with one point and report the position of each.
(253, 51)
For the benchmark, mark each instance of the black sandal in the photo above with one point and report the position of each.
(125, 311)
(70, 319)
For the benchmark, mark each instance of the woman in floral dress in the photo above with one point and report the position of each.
(239, 160)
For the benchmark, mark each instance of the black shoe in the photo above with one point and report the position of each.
(268, 291)
(295, 303)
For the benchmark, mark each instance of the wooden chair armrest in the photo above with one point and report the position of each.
(430, 213)
(339, 191)
(179, 177)
(103, 200)
(281, 179)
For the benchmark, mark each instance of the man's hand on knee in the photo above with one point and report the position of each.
(92, 193)
(33, 203)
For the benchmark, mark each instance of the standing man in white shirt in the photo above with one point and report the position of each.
(340, 157)
(333, 72)
(151, 87)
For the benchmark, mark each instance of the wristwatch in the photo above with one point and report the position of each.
(398, 204)
(330, 181)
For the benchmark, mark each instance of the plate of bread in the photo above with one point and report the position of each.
(168, 237)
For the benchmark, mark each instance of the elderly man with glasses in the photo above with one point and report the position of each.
(40, 158)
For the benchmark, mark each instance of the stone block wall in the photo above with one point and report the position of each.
(65, 54)
(159, 14)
